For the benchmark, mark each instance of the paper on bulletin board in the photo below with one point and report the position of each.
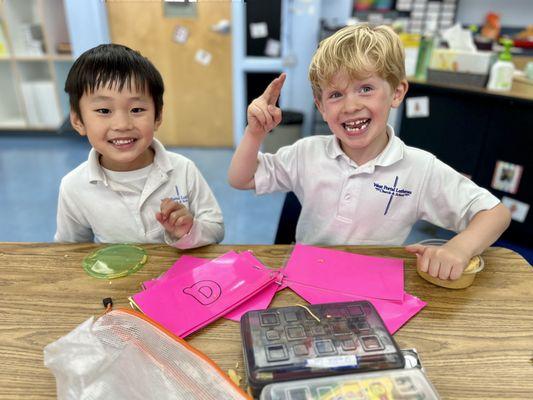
(203, 57)
(417, 107)
(258, 30)
(181, 34)
(223, 26)
(518, 209)
(506, 177)
(272, 48)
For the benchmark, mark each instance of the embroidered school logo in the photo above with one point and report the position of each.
(392, 191)
(180, 198)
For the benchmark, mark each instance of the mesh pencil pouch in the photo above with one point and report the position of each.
(125, 355)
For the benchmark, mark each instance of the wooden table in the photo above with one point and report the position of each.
(475, 343)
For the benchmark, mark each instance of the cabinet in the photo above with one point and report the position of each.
(471, 130)
(34, 61)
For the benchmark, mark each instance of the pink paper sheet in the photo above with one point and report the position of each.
(184, 262)
(393, 313)
(260, 301)
(196, 296)
(376, 277)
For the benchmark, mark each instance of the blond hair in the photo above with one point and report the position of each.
(359, 50)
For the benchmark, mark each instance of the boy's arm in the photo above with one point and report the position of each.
(263, 116)
(69, 229)
(450, 260)
(207, 222)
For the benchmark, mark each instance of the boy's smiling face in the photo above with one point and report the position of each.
(357, 110)
(120, 126)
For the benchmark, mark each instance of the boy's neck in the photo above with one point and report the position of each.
(144, 160)
(364, 155)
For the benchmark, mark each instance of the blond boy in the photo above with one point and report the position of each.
(363, 185)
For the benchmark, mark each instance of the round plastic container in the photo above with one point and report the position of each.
(475, 265)
(115, 261)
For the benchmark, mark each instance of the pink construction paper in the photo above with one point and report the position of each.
(184, 262)
(197, 296)
(189, 262)
(393, 313)
(376, 277)
(260, 301)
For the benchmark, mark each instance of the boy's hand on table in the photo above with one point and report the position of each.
(175, 218)
(444, 262)
(262, 113)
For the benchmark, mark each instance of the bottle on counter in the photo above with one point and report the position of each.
(501, 73)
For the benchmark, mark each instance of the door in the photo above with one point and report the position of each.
(198, 96)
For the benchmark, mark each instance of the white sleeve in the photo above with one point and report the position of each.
(449, 199)
(208, 225)
(277, 172)
(71, 226)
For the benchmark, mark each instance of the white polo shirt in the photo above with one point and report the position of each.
(96, 207)
(375, 203)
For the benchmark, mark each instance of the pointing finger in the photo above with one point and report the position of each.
(273, 90)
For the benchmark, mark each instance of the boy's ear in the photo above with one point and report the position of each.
(77, 123)
(318, 105)
(158, 121)
(399, 93)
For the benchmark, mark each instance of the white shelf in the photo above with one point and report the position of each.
(32, 73)
(16, 123)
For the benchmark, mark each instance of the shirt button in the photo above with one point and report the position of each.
(347, 197)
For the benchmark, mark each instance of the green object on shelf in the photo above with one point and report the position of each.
(505, 55)
(115, 261)
(424, 57)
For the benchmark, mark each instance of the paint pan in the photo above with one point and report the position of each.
(475, 266)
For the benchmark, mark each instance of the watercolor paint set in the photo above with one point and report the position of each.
(303, 342)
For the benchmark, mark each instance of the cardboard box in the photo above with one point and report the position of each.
(462, 61)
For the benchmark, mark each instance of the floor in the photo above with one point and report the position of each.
(31, 167)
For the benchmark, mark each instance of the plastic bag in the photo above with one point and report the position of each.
(124, 355)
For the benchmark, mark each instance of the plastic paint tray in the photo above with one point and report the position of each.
(288, 343)
(467, 278)
(392, 384)
(115, 261)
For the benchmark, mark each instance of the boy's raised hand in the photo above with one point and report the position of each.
(444, 262)
(175, 218)
(262, 113)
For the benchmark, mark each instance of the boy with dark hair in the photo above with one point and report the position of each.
(130, 190)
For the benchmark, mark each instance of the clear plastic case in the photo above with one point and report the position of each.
(401, 384)
(289, 343)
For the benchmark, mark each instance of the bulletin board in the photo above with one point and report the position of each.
(198, 96)
(261, 11)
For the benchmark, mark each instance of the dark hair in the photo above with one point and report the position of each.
(113, 65)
